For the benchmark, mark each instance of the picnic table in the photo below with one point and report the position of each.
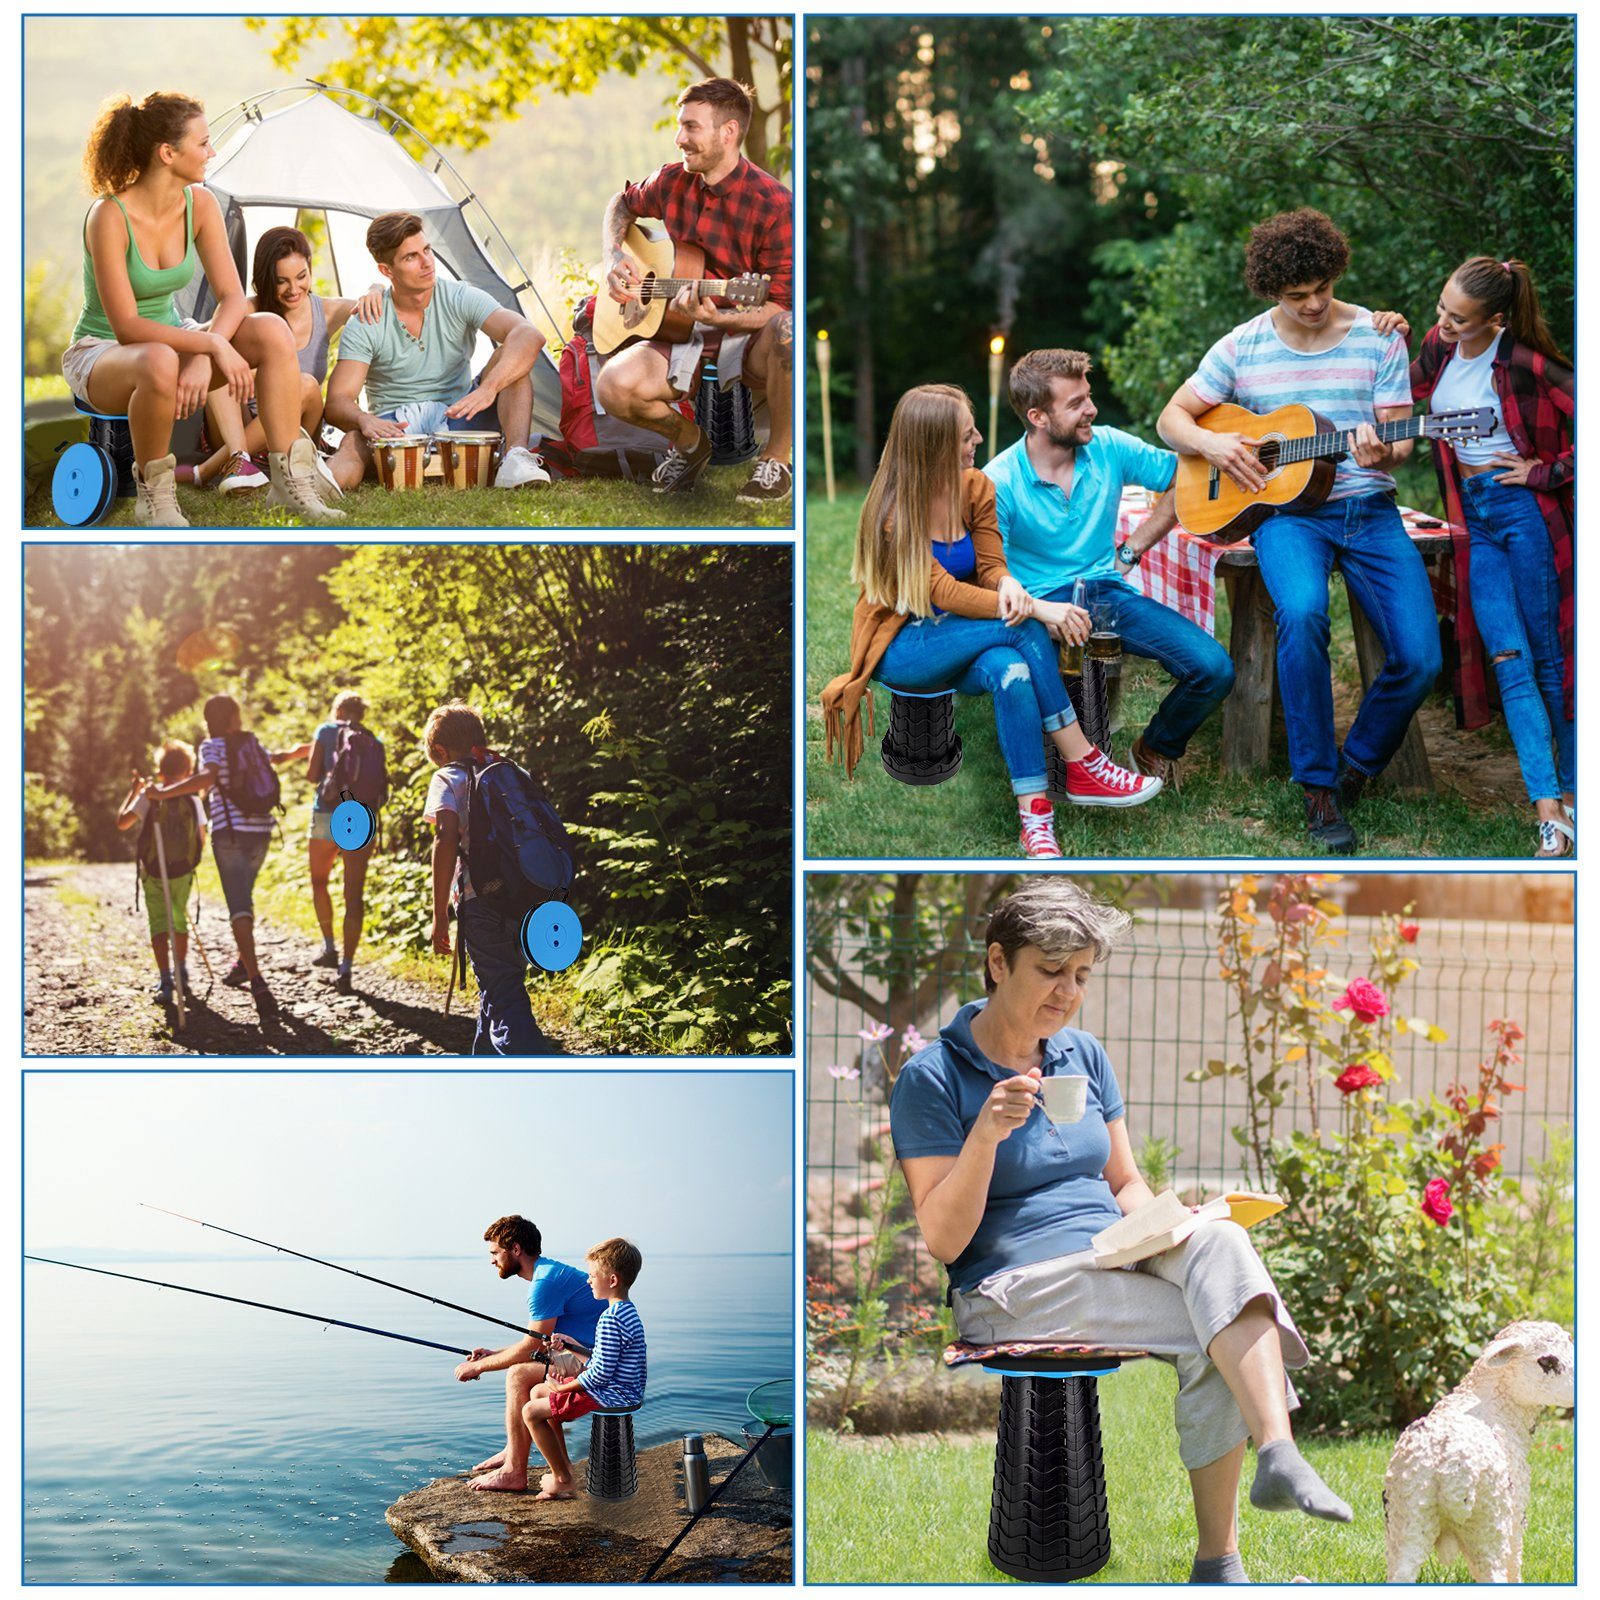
(1181, 572)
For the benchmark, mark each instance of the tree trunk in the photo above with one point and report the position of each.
(854, 76)
(755, 139)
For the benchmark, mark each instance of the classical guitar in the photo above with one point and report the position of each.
(1296, 449)
(664, 270)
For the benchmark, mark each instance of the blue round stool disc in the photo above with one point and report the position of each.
(352, 825)
(552, 936)
(83, 485)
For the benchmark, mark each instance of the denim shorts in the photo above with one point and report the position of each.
(322, 827)
(239, 857)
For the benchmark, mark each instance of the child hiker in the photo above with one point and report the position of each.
(182, 825)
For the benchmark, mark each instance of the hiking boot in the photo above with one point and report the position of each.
(297, 485)
(1097, 780)
(1350, 785)
(155, 488)
(1038, 831)
(1143, 759)
(235, 977)
(679, 471)
(266, 1006)
(163, 994)
(345, 983)
(243, 474)
(769, 482)
(1326, 822)
(520, 466)
(327, 958)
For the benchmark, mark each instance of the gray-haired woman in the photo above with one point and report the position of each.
(1010, 1201)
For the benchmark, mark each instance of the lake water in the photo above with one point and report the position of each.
(170, 1438)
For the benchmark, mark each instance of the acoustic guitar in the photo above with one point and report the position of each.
(1296, 449)
(665, 269)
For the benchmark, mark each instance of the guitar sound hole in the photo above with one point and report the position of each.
(1267, 455)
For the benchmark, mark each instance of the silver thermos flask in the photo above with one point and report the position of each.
(696, 1473)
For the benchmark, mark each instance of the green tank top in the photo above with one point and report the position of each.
(153, 287)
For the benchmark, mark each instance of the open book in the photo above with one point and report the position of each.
(1166, 1222)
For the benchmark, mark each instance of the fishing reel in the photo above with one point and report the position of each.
(552, 936)
(354, 824)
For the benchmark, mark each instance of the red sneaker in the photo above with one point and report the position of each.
(1097, 780)
(1038, 830)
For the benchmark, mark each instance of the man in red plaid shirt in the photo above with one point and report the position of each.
(743, 219)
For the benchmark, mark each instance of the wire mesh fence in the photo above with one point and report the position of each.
(882, 961)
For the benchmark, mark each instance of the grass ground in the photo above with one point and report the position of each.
(916, 1509)
(1250, 814)
(567, 503)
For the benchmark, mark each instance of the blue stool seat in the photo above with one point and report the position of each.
(613, 1468)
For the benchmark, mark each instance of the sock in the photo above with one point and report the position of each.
(183, 974)
(327, 946)
(1218, 1569)
(1286, 1481)
(344, 969)
(166, 979)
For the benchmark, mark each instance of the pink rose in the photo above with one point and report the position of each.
(1358, 1075)
(1436, 1202)
(1365, 999)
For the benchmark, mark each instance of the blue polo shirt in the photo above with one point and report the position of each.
(1047, 1196)
(1052, 540)
(563, 1292)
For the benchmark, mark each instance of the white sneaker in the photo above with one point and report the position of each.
(155, 488)
(296, 483)
(242, 475)
(518, 467)
(329, 485)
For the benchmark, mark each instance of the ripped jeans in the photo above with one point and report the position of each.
(1016, 667)
(1172, 1305)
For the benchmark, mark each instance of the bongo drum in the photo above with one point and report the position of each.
(400, 460)
(468, 458)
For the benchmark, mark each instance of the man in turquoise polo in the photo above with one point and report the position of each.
(415, 363)
(1057, 491)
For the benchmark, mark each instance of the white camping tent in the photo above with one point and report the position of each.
(311, 148)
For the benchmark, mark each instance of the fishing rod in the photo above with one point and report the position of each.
(260, 1305)
(384, 1283)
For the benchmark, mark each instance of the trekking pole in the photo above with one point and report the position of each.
(166, 897)
(194, 933)
(452, 989)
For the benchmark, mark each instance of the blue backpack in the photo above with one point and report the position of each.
(518, 854)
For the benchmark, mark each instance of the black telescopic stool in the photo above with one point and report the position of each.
(922, 745)
(1048, 1521)
(613, 1467)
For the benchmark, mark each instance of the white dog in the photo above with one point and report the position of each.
(1458, 1479)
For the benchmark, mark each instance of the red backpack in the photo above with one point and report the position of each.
(599, 445)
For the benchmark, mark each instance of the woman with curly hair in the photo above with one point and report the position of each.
(938, 610)
(152, 224)
(1314, 349)
(1509, 500)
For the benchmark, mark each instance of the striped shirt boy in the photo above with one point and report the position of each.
(1254, 368)
(615, 1373)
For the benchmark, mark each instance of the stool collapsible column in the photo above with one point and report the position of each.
(613, 1467)
(922, 745)
(1048, 1519)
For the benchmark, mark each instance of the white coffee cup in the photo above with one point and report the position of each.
(1066, 1098)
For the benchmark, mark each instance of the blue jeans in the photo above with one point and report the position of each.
(1016, 667)
(1516, 601)
(1202, 667)
(505, 1019)
(239, 857)
(1364, 537)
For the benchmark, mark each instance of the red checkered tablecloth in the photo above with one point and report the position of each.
(1181, 571)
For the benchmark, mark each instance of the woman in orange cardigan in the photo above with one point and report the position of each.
(939, 611)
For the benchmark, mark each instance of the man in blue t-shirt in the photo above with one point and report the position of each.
(415, 363)
(559, 1301)
(1318, 351)
(1057, 492)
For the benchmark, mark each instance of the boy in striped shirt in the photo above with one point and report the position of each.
(1315, 350)
(612, 1377)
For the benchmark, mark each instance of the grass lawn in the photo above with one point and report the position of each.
(916, 1509)
(1248, 814)
(566, 503)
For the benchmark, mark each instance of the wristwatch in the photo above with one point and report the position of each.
(1128, 557)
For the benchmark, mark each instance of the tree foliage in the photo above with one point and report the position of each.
(456, 79)
(1090, 181)
(646, 686)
